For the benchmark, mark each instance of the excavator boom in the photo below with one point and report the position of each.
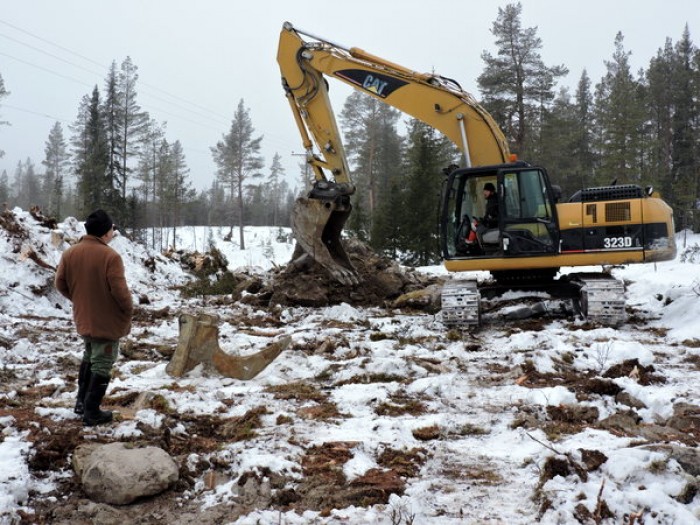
(319, 217)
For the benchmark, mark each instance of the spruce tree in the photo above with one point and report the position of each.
(28, 185)
(91, 155)
(559, 131)
(4, 188)
(110, 111)
(660, 109)
(373, 146)
(427, 152)
(18, 191)
(57, 161)
(619, 110)
(582, 148)
(685, 125)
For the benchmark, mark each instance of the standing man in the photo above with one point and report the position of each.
(91, 276)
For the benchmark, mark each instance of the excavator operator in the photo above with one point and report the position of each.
(487, 230)
(490, 219)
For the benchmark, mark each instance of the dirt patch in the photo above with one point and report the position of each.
(399, 405)
(426, 433)
(592, 459)
(644, 375)
(572, 413)
(406, 463)
(324, 486)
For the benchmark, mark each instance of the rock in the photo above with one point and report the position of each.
(687, 457)
(573, 413)
(686, 418)
(118, 475)
(424, 299)
(625, 398)
(592, 459)
(626, 422)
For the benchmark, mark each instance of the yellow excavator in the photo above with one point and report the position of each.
(533, 234)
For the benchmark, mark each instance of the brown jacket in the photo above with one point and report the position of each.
(91, 275)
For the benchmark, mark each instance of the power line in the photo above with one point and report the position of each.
(47, 53)
(51, 43)
(35, 113)
(45, 69)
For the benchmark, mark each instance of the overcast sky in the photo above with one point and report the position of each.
(197, 60)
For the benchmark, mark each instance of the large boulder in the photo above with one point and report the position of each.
(118, 475)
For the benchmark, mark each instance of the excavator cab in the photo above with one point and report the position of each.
(527, 217)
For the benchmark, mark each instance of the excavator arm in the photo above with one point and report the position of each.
(318, 218)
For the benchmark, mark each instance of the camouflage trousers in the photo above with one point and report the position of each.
(101, 354)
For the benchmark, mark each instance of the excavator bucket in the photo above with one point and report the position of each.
(317, 225)
(199, 343)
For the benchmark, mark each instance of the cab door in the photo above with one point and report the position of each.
(528, 215)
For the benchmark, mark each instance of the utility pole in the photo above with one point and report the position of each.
(307, 181)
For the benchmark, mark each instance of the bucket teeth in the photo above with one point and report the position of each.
(317, 225)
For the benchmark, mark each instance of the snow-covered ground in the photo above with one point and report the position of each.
(483, 462)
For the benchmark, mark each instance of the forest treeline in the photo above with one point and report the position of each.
(631, 127)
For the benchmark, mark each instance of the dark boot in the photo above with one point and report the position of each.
(96, 391)
(83, 382)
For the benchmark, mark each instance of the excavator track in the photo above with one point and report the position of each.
(461, 302)
(599, 298)
(602, 298)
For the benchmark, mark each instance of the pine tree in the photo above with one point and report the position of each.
(274, 192)
(238, 161)
(388, 224)
(133, 124)
(178, 186)
(373, 147)
(516, 85)
(57, 161)
(147, 172)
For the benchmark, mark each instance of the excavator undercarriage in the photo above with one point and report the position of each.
(598, 298)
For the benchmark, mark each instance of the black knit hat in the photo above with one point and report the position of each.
(98, 223)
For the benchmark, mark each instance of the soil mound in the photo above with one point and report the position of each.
(381, 280)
